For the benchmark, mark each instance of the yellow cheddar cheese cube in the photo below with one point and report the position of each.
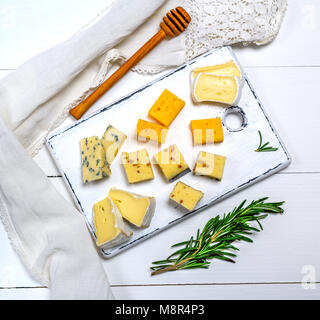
(210, 165)
(186, 196)
(206, 131)
(135, 208)
(137, 166)
(166, 108)
(110, 228)
(171, 163)
(93, 158)
(152, 131)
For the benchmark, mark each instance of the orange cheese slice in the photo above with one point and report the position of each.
(206, 131)
(152, 131)
(166, 108)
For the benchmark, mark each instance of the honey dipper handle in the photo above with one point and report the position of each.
(83, 106)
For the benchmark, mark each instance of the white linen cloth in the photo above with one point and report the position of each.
(47, 232)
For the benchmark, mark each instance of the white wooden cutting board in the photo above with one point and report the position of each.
(243, 167)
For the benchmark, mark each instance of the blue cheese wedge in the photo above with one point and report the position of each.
(93, 160)
(135, 208)
(112, 141)
(110, 228)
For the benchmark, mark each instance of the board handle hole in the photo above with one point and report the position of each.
(234, 119)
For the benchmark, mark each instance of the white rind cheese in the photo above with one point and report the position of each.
(110, 228)
(230, 68)
(150, 212)
(232, 99)
(135, 208)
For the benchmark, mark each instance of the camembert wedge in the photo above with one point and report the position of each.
(216, 88)
(109, 225)
(135, 208)
(229, 68)
(186, 196)
(210, 165)
(93, 160)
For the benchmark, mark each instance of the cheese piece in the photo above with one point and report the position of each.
(186, 196)
(135, 208)
(206, 131)
(112, 141)
(152, 131)
(210, 165)
(215, 88)
(93, 158)
(229, 68)
(166, 108)
(110, 228)
(137, 166)
(171, 163)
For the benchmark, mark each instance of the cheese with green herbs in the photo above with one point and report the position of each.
(93, 158)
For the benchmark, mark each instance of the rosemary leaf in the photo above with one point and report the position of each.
(263, 147)
(216, 238)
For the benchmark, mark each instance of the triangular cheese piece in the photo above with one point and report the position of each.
(135, 208)
(110, 228)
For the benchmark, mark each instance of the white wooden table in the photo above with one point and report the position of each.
(284, 260)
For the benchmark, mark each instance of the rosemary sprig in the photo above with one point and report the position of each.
(216, 238)
(264, 148)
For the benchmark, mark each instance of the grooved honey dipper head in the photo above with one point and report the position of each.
(175, 22)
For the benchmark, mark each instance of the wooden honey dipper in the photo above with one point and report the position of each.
(175, 22)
